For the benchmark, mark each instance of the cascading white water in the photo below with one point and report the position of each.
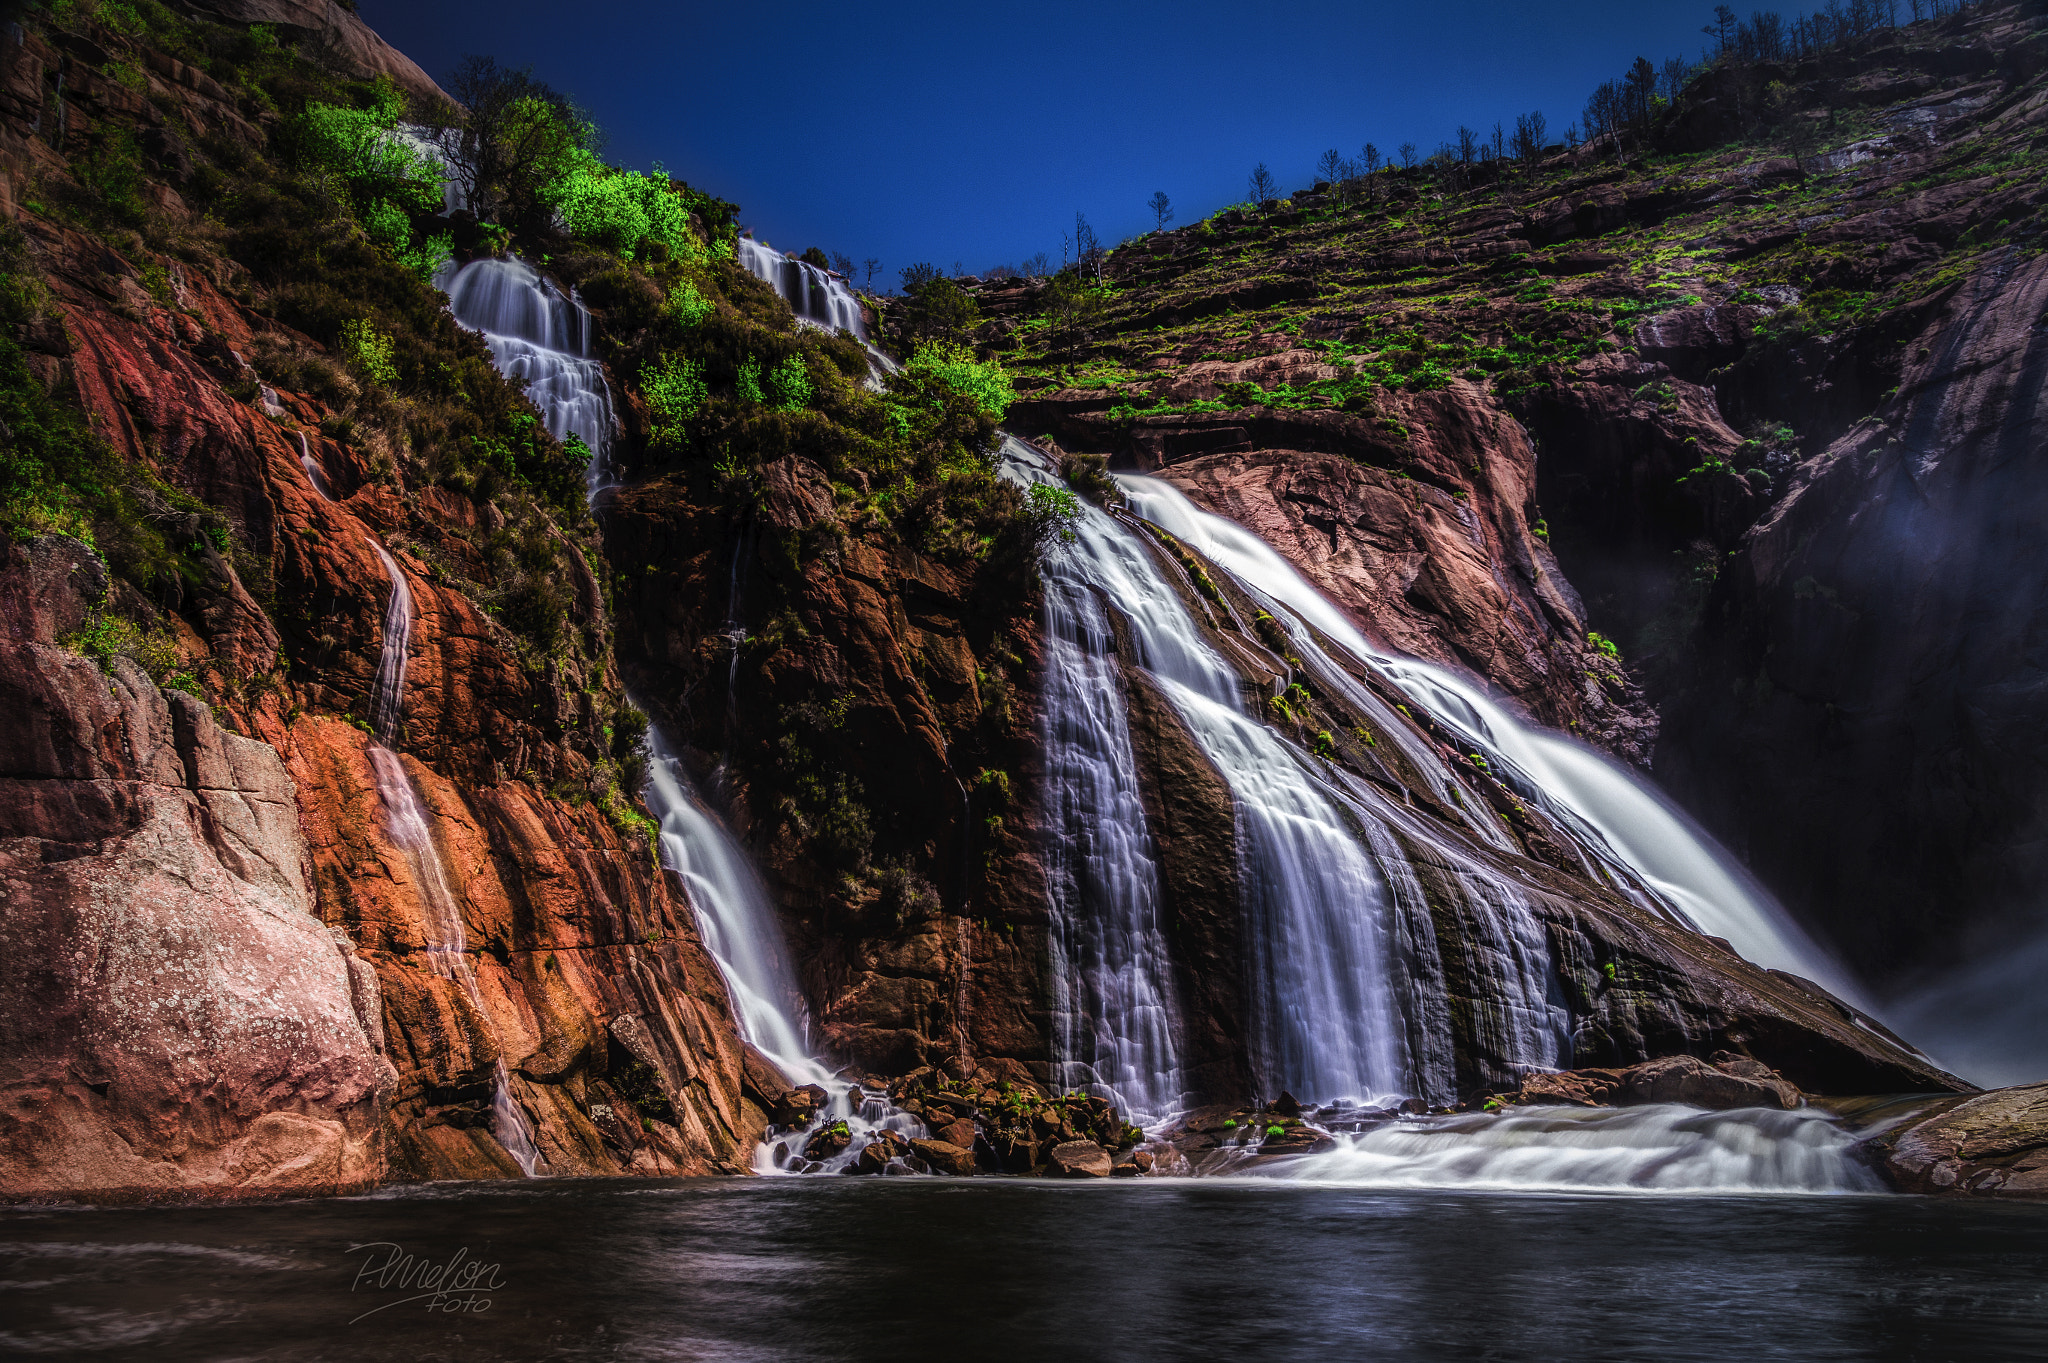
(314, 474)
(537, 333)
(1661, 1149)
(387, 688)
(816, 296)
(540, 335)
(1318, 914)
(737, 922)
(1648, 840)
(1113, 1005)
(447, 940)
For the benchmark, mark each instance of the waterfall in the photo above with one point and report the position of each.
(1318, 913)
(540, 336)
(1113, 1007)
(387, 690)
(538, 333)
(447, 941)
(1645, 841)
(816, 296)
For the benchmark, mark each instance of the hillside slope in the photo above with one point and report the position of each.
(1765, 392)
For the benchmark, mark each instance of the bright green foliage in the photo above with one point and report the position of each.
(1276, 1131)
(675, 391)
(370, 349)
(1604, 645)
(363, 148)
(789, 384)
(427, 258)
(747, 383)
(688, 306)
(955, 366)
(621, 209)
(386, 179)
(1052, 512)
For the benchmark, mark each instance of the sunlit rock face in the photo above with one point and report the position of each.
(177, 1020)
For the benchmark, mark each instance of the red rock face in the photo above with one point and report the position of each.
(301, 1043)
(177, 1022)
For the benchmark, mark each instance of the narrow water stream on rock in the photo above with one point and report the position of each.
(447, 940)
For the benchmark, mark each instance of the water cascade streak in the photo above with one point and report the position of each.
(1649, 841)
(1113, 990)
(1317, 911)
(541, 335)
(816, 296)
(314, 475)
(447, 942)
(536, 332)
(1659, 1149)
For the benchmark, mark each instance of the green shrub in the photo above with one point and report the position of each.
(985, 382)
(370, 350)
(1051, 513)
(688, 306)
(621, 209)
(675, 391)
(789, 383)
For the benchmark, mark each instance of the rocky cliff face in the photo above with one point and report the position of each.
(847, 653)
(222, 986)
(1765, 394)
(863, 713)
(178, 1020)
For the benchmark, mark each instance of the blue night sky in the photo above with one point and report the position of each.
(973, 133)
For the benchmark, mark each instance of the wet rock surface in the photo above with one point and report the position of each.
(1992, 1145)
(1728, 1081)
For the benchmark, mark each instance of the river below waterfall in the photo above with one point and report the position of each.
(1025, 1269)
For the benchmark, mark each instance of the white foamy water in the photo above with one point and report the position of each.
(540, 336)
(1618, 816)
(816, 296)
(1659, 1149)
(1317, 912)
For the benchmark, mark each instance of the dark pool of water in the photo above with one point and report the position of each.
(919, 1269)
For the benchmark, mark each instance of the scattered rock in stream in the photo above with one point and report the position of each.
(1730, 1081)
(979, 1125)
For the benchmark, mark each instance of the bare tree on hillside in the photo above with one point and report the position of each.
(1639, 87)
(1088, 252)
(1468, 145)
(1530, 131)
(1497, 145)
(1603, 115)
(1409, 155)
(1261, 185)
(1671, 78)
(872, 265)
(842, 264)
(1722, 30)
(1330, 166)
(1037, 266)
(1162, 209)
